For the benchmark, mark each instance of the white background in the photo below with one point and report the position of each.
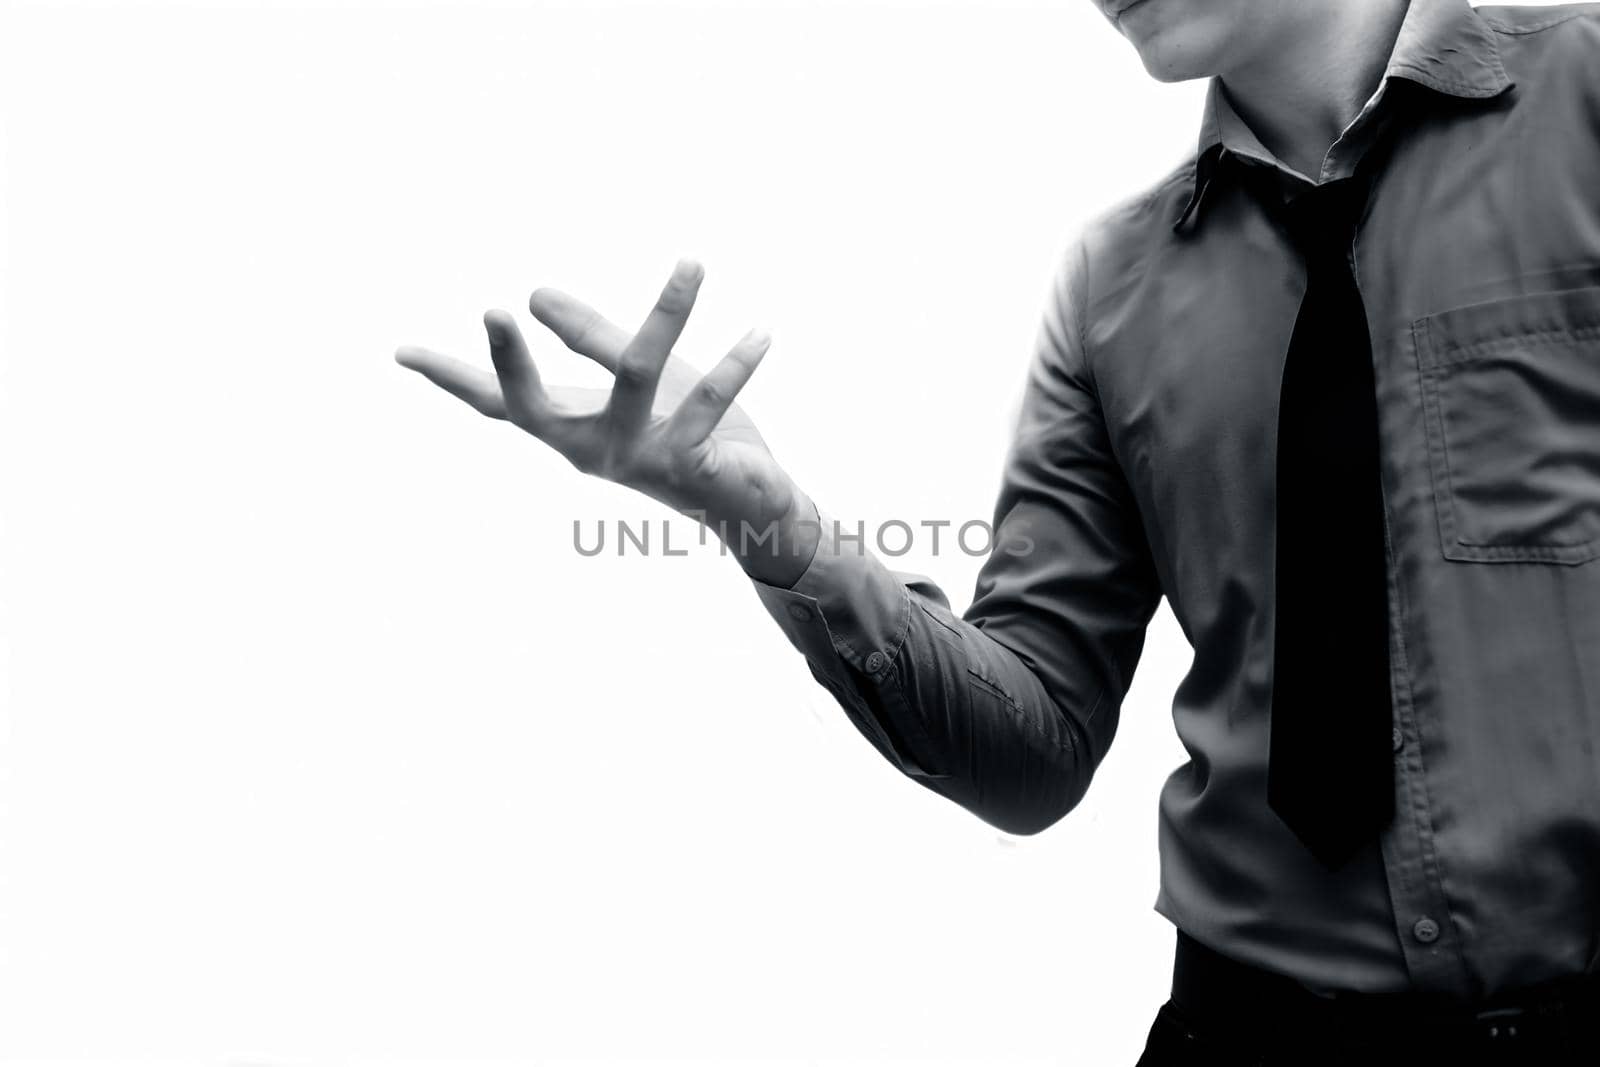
(321, 743)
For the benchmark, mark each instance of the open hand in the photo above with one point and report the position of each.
(662, 429)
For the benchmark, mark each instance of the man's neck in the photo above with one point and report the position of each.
(1300, 94)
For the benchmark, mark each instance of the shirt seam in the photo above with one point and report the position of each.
(1539, 27)
(1471, 352)
(1078, 307)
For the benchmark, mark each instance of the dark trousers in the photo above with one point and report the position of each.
(1224, 1014)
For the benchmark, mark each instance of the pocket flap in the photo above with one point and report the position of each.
(1476, 330)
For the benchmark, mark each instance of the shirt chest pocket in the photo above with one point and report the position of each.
(1511, 405)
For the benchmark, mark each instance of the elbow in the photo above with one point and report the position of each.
(1022, 827)
(1036, 786)
(1026, 819)
(1018, 765)
(1015, 806)
(1027, 803)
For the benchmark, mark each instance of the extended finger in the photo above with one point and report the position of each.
(472, 384)
(525, 401)
(711, 397)
(579, 326)
(639, 368)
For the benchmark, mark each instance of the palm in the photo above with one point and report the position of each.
(678, 377)
(733, 453)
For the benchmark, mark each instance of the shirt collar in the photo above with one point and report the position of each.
(1442, 45)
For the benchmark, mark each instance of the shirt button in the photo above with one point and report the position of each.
(799, 613)
(1399, 739)
(874, 662)
(1425, 930)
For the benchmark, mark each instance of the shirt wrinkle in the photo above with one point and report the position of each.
(1142, 466)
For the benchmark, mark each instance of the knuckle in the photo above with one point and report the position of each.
(713, 394)
(675, 299)
(634, 372)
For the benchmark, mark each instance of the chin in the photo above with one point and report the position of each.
(1169, 68)
(1175, 53)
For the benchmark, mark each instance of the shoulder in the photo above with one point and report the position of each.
(1121, 237)
(1101, 256)
(1142, 219)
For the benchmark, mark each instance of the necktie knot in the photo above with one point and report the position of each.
(1322, 219)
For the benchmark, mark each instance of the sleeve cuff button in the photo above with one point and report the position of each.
(799, 613)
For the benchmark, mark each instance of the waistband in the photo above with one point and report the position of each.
(1259, 1009)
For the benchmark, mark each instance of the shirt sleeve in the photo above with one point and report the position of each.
(1008, 709)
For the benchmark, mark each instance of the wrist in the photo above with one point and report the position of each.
(781, 553)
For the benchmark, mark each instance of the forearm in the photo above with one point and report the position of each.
(942, 701)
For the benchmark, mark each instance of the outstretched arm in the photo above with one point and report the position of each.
(1008, 710)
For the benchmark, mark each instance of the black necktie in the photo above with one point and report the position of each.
(1331, 772)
